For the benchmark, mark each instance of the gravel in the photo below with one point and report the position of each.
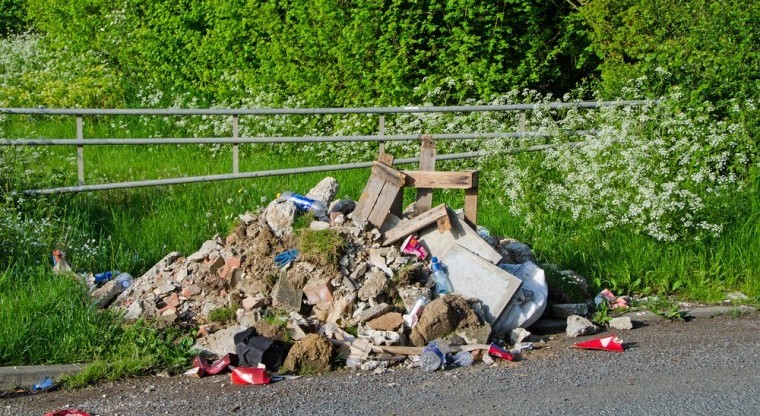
(708, 365)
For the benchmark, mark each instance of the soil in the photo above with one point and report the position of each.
(311, 354)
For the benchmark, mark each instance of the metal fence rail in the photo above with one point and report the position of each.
(236, 140)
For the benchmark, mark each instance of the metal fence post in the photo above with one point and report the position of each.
(80, 152)
(235, 150)
(381, 132)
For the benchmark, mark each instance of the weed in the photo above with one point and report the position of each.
(736, 312)
(353, 330)
(321, 247)
(673, 313)
(601, 315)
(223, 314)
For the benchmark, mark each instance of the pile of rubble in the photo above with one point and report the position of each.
(364, 292)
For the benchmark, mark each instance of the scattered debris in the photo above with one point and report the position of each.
(257, 291)
(612, 301)
(67, 412)
(611, 343)
(578, 325)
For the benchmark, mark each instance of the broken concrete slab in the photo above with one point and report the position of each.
(622, 323)
(375, 283)
(324, 191)
(104, 295)
(220, 342)
(476, 277)
(578, 325)
(279, 216)
(285, 295)
(439, 243)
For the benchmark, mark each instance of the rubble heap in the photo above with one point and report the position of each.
(357, 302)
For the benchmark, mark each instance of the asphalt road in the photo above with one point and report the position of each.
(705, 366)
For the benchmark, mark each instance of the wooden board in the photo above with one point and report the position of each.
(461, 234)
(406, 227)
(471, 203)
(427, 162)
(379, 194)
(440, 180)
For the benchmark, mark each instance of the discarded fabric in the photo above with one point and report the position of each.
(612, 300)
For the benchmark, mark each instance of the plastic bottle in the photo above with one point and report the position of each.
(443, 284)
(103, 277)
(125, 280)
(414, 315)
(463, 359)
(432, 358)
(318, 208)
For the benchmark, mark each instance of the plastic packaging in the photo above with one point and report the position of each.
(443, 284)
(45, 384)
(103, 277)
(499, 352)
(125, 280)
(529, 303)
(414, 315)
(318, 208)
(463, 359)
(412, 246)
(250, 375)
(432, 358)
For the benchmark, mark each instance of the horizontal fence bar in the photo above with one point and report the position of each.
(291, 139)
(314, 111)
(278, 172)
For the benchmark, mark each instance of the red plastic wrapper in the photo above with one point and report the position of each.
(496, 351)
(250, 375)
(611, 343)
(67, 412)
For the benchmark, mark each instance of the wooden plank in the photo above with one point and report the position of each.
(406, 227)
(444, 224)
(397, 207)
(402, 350)
(438, 180)
(471, 203)
(461, 234)
(385, 158)
(388, 174)
(368, 198)
(384, 203)
(427, 162)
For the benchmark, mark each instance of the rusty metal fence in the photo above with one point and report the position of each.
(235, 140)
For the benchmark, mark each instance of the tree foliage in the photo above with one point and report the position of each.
(327, 52)
(711, 48)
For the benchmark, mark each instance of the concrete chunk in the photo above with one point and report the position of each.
(578, 325)
(285, 295)
(476, 277)
(622, 323)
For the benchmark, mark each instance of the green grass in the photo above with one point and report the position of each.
(47, 319)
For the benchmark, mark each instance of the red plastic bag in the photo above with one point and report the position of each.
(250, 375)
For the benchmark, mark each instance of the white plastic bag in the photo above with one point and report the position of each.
(529, 302)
